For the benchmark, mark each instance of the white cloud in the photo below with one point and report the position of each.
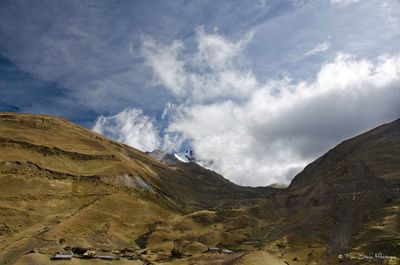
(215, 51)
(210, 73)
(285, 125)
(130, 126)
(138, 130)
(320, 47)
(261, 133)
(93, 50)
(343, 3)
(257, 133)
(167, 68)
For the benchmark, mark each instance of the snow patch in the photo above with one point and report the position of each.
(181, 158)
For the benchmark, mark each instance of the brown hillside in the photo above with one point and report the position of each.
(63, 186)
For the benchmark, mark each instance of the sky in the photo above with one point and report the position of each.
(260, 87)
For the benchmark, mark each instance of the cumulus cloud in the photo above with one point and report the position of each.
(285, 125)
(258, 133)
(138, 130)
(130, 126)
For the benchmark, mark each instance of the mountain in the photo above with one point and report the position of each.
(174, 158)
(63, 183)
(190, 156)
(165, 157)
(352, 194)
(186, 156)
(63, 187)
(347, 203)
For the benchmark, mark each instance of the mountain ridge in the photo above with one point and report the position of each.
(62, 185)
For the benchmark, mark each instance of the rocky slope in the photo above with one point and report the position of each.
(351, 194)
(347, 201)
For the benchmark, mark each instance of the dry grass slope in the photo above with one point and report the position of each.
(62, 185)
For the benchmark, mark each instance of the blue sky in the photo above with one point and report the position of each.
(260, 87)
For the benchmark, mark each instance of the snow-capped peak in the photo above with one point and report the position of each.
(186, 156)
(181, 158)
(190, 156)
